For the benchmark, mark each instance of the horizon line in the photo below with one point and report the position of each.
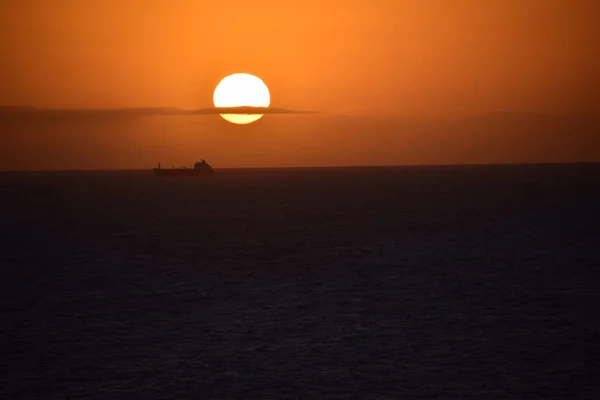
(498, 164)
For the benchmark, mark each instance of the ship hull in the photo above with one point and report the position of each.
(175, 172)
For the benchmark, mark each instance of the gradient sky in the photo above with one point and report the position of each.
(394, 82)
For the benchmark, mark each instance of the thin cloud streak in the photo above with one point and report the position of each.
(27, 113)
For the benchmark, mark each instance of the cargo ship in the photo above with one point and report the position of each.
(201, 168)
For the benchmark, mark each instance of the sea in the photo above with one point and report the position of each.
(414, 282)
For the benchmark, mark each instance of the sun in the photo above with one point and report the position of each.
(241, 90)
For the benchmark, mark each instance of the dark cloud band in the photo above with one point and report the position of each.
(95, 113)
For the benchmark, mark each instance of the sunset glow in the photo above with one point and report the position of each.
(386, 83)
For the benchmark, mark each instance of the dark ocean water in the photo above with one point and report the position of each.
(353, 283)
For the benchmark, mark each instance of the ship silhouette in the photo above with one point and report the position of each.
(201, 168)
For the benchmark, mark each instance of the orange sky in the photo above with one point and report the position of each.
(395, 81)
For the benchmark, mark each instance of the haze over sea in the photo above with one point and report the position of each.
(319, 283)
